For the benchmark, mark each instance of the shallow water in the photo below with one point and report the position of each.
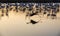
(15, 25)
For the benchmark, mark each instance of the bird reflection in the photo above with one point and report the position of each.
(48, 9)
(24, 9)
(11, 9)
(44, 13)
(32, 21)
(2, 12)
(34, 13)
(6, 11)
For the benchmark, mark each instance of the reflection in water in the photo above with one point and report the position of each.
(16, 25)
(31, 9)
(32, 21)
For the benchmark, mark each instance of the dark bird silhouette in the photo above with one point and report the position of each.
(16, 7)
(34, 13)
(32, 21)
(44, 12)
(11, 9)
(30, 9)
(6, 12)
(37, 6)
(24, 9)
(2, 13)
(31, 14)
(48, 14)
(53, 14)
(58, 10)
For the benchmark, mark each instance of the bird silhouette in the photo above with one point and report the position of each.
(6, 14)
(48, 15)
(30, 9)
(24, 9)
(11, 9)
(32, 21)
(2, 12)
(44, 12)
(53, 14)
(7, 11)
(16, 7)
(34, 13)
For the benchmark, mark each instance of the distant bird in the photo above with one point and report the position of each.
(58, 10)
(48, 14)
(24, 9)
(11, 9)
(6, 14)
(31, 14)
(34, 14)
(6, 11)
(16, 7)
(44, 12)
(53, 14)
(30, 9)
(2, 12)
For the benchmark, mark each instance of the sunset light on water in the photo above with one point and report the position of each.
(15, 23)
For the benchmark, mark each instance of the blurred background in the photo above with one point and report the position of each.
(14, 24)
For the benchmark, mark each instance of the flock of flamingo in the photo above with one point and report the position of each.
(31, 9)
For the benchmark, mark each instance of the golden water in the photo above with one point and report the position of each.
(15, 25)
